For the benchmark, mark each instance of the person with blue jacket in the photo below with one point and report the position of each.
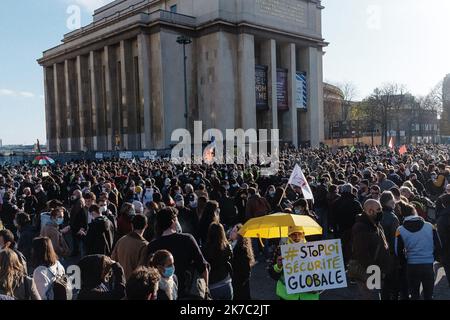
(417, 242)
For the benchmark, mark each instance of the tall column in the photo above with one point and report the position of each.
(111, 96)
(284, 116)
(156, 85)
(73, 119)
(311, 62)
(98, 101)
(94, 99)
(50, 108)
(144, 79)
(128, 95)
(60, 107)
(246, 76)
(292, 90)
(85, 104)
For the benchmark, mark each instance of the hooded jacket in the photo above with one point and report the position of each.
(417, 241)
(92, 285)
(100, 236)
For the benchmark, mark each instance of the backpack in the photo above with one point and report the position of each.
(61, 287)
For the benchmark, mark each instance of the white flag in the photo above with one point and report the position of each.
(298, 179)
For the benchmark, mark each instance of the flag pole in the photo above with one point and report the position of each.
(284, 191)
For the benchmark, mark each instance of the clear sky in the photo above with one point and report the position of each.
(371, 42)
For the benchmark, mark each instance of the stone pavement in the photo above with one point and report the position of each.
(263, 287)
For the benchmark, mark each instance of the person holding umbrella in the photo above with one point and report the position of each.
(296, 234)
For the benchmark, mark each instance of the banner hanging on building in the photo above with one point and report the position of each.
(302, 91)
(98, 155)
(313, 266)
(282, 89)
(126, 155)
(261, 87)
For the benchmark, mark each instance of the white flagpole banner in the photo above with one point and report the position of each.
(298, 179)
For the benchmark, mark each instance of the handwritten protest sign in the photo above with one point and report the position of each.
(313, 266)
(126, 155)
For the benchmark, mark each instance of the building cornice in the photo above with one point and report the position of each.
(144, 21)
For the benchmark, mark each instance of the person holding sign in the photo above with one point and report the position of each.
(370, 248)
(295, 235)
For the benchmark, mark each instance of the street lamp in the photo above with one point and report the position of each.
(184, 41)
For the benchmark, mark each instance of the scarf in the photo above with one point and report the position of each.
(169, 287)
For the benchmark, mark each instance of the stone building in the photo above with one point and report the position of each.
(118, 83)
(333, 101)
(445, 117)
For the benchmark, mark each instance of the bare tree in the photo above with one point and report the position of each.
(349, 92)
(434, 100)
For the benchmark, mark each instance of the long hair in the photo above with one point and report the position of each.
(209, 216)
(43, 253)
(246, 245)
(11, 271)
(217, 240)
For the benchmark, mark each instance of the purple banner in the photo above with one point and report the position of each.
(262, 101)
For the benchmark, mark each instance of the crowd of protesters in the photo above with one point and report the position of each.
(165, 231)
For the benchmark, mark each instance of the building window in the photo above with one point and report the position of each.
(173, 8)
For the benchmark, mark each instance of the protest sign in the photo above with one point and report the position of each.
(313, 266)
(99, 155)
(125, 155)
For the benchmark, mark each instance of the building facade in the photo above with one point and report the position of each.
(333, 101)
(445, 116)
(118, 83)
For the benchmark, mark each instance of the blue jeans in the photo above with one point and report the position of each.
(224, 292)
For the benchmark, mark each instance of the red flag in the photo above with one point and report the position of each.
(391, 143)
(402, 150)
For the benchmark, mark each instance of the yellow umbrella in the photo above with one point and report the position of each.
(277, 225)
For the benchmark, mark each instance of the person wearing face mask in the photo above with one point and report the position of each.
(418, 245)
(390, 223)
(296, 234)
(163, 261)
(52, 231)
(187, 255)
(370, 247)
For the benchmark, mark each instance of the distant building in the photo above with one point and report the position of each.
(1, 143)
(445, 116)
(333, 100)
(119, 82)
